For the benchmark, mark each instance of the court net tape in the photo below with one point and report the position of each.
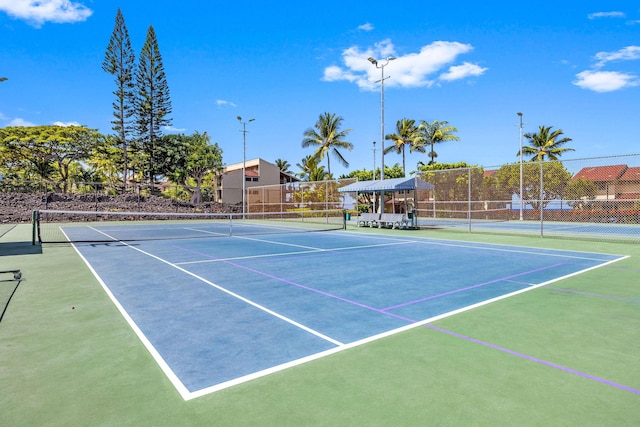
(56, 226)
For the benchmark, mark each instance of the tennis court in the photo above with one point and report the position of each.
(220, 311)
(352, 327)
(577, 230)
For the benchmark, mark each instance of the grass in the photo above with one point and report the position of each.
(69, 358)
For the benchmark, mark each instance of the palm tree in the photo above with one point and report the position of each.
(545, 144)
(436, 132)
(407, 133)
(307, 167)
(283, 165)
(328, 137)
(318, 174)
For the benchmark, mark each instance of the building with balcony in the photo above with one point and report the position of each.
(258, 172)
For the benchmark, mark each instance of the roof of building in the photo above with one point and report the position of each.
(601, 173)
(631, 174)
(247, 163)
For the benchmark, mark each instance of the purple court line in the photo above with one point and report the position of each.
(290, 282)
(471, 287)
(432, 327)
(535, 359)
(589, 294)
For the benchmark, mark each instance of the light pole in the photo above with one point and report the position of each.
(381, 66)
(521, 186)
(244, 164)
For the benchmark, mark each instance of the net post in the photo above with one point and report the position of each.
(35, 225)
(344, 219)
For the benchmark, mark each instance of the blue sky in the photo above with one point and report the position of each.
(473, 64)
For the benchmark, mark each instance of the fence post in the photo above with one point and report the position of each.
(541, 202)
(469, 197)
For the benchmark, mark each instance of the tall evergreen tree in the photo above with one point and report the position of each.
(119, 60)
(153, 104)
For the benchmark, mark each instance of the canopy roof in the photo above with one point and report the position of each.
(394, 184)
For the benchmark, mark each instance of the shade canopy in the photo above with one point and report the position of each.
(394, 184)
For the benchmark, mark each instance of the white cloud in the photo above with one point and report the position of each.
(38, 12)
(605, 81)
(599, 80)
(366, 27)
(64, 124)
(606, 15)
(458, 72)
(223, 103)
(172, 129)
(410, 70)
(20, 122)
(628, 53)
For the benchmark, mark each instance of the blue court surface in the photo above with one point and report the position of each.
(215, 312)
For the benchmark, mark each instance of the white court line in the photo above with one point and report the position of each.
(255, 239)
(313, 250)
(164, 366)
(215, 233)
(186, 395)
(367, 340)
(500, 247)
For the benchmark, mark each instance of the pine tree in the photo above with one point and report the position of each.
(153, 104)
(119, 60)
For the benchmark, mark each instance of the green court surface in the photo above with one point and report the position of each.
(68, 357)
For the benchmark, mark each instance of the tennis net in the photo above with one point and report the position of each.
(57, 226)
(449, 218)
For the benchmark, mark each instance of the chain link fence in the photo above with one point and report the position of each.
(595, 198)
(298, 196)
(590, 198)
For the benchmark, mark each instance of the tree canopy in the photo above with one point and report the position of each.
(49, 149)
(407, 134)
(545, 144)
(536, 193)
(188, 160)
(328, 138)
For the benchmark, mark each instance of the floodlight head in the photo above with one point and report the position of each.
(239, 118)
(391, 58)
(519, 113)
(251, 120)
(373, 61)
